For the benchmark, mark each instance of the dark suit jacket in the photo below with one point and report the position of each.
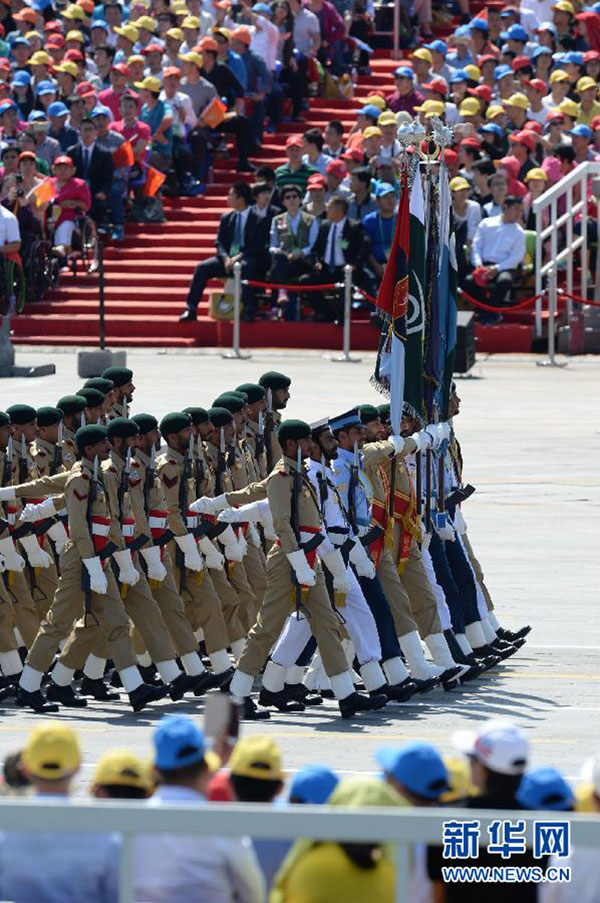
(356, 251)
(251, 239)
(100, 174)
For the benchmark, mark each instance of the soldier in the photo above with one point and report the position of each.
(293, 573)
(94, 404)
(107, 387)
(47, 455)
(255, 426)
(277, 393)
(122, 380)
(72, 408)
(87, 587)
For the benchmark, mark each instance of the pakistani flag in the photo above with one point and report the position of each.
(415, 316)
(447, 282)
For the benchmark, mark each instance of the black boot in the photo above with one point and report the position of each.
(65, 695)
(456, 652)
(251, 713)
(8, 686)
(180, 686)
(472, 672)
(149, 675)
(397, 692)
(208, 680)
(97, 689)
(144, 695)
(34, 701)
(355, 703)
(425, 686)
(511, 635)
(300, 693)
(449, 675)
(279, 700)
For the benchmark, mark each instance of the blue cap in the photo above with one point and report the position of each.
(262, 8)
(517, 33)
(574, 56)
(503, 36)
(463, 31)
(492, 127)
(541, 51)
(313, 784)
(349, 418)
(20, 40)
(37, 116)
(7, 105)
(40, 5)
(384, 188)
(99, 23)
(100, 110)
(178, 742)
(417, 766)
(371, 110)
(507, 12)
(502, 72)
(479, 24)
(459, 75)
(21, 78)
(46, 87)
(545, 788)
(584, 131)
(404, 72)
(438, 46)
(596, 8)
(58, 108)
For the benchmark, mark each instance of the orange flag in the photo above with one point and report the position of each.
(154, 180)
(44, 192)
(123, 155)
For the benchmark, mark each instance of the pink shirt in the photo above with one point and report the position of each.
(73, 190)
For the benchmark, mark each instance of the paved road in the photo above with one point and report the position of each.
(530, 439)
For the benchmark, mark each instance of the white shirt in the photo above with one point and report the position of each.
(335, 229)
(169, 868)
(307, 28)
(320, 164)
(9, 227)
(181, 101)
(265, 41)
(472, 217)
(539, 116)
(497, 242)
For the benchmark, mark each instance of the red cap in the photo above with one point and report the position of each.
(52, 27)
(591, 55)
(294, 141)
(316, 181)
(85, 89)
(450, 157)
(437, 85)
(120, 67)
(555, 116)
(26, 155)
(487, 58)
(149, 48)
(471, 141)
(336, 168)
(63, 158)
(353, 153)
(55, 42)
(482, 91)
(538, 85)
(208, 43)
(172, 70)
(4, 64)
(75, 55)
(523, 137)
(533, 126)
(521, 62)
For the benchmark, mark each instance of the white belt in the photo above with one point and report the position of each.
(128, 529)
(158, 523)
(192, 523)
(100, 529)
(11, 518)
(62, 513)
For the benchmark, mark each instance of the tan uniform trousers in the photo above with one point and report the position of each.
(248, 603)
(8, 642)
(173, 612)
(478, 571)
(24, 611)
(395, 594)
(256, 571)
(43, 583)
(276, 607)
(68, 605)
(415, 582)
(230, 604)
(202, 605)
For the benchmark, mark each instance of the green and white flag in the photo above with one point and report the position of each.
(415, 315)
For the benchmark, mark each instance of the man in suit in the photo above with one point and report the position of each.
(95, 166)
(238, 238)
(340, 241)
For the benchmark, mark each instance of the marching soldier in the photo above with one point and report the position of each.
(107, 387)
(255, 427)
(72, 408)
(122, 380)
(94, 404)
(277, 394)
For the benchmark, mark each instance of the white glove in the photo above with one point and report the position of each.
(2, 565)
(192, 559)
(460, 524)
(231, 516)
(156, 569)
(266, 519)
(39, 512)
(336, 567)
(361, 561)
(253, 536)
(59, 536)
(446, 533)
(220, 502)
(127, 573)
(214, 560)
(432, 430)
(36, 556)
(303, 572)
(205, 505)
(444, 431)
(397, 442)
(232, 548)
(7, 494)
(12, 560)
(423, 440)
(98, 581)
(244, 514)
(425, 540)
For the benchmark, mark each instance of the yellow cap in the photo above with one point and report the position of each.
(564, 6)
(257, 756)
(40, 58)
(69, 67)
(74, 12)
(517, 100)
(135, 58)
(122, 768)
(559, 75)
(146, 22)
(585, 83)
(31, 36)
(584, 798)
(421, 53)
(432, 107)
(375, 99)
(128, 31)
(191, 22)
(372, 132)
(387, 118)
(51, 752)
(569, 108)
(537, 173)
(75, 35)
(459, 184)
(470, 106)
(150, 83)
(175, 33)
(226, 32)
(473, 72)
(493, 111)
(192, 57)
(459, 778)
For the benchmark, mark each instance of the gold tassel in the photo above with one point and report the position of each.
(199, 577)
(124, 588)
(339, 599)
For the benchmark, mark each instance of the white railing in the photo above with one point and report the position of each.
(574, 184)
(402, 828)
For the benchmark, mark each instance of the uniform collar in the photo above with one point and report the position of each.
(45, 445)
(177, 456)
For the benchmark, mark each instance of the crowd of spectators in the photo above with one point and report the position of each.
(490, 769)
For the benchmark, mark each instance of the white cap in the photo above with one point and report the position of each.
(499, 745)
(591, 773)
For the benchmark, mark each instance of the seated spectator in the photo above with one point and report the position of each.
(467, 214)
(537, 183)
(581, 137)
(71, 197)
(315, 205)
(58, 113)
(335, 174)
(111, 97)
(46, 148)
(19, 191)
(293, 235)
(110, 140)
(238, 239)
(264, 212)
(361, 201)
(267, 174)
(499, 190)
(509, 167)
(390, 147)
(483, 170)
(132, 128)
(313, 142)
(405, 97)
(295, 171)
(10, 238)
(158, 116)
(379, 227)
(93, 165)
(333, 33)
(10, 160)
(121, 775)
(334, 134)
(258, 77)
(522, 144)
(312, 785)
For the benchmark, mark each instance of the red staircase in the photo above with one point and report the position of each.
(147, 276)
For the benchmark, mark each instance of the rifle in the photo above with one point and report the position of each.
(149, 479)
(183, 507)
(85, 577)
(352, 486)
(199, 466)
(220, 465)
(124, 411)
(428, 490)
(260, 438)
(6, 477)
(269, 430)
(82, 419)
(57, 458)
(124, 484)
(295, 523)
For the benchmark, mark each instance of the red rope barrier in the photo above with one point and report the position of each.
(366, 295)
(293, 288)
(501, 310)
(576, 298)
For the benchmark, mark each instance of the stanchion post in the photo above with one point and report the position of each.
(101, 284)
(235, 353)
(551, 361)
(345, 357)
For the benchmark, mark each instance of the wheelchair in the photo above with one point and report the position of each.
(84, 245)
(13, 287)
(41, 268)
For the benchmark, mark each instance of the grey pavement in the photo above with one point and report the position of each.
(530, 439)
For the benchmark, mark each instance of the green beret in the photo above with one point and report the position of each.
(89, 435)
(238, 394)
(293, 429)
(367, 413)
(71, 404)
(4, 419)
(198, 415)
(252, 391)
(48, 416)
(231, 402)
(122, 428)
(274, 380)
(174, 422)
(119, 375)
(220, 416)
(93, 398)
(21, 413)
(384, 411)
(146, 423)
(98, 382)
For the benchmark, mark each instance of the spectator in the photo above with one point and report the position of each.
(131, 128)
(295, 171)
(230, 57)
(238, 239)
(66, 135)
(46, 148)
(379, 227)
(121, 775)
(110, 140)
(71, 196)
(158, 116)
(334, 134)
(20, 193)
(177, 867)
(361, 202)
(93, 165)
(581, 137)
(467, 215)
(522, 144)
(10, 238)
(405, 97)
(312, 785)
(315, 205)
(332, 34)
(258, 76)
(307, 29)
(15, 781)
(483, 170)
(265, 212)
(313, 146)
(293, 235)
(499, 189)
(111, 97)
(537, 182)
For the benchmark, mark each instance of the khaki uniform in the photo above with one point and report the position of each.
(69, 449)
(202, 604)
(277, 601)
(274, 441)
(68, 603)
(260, 460)
(243, 473)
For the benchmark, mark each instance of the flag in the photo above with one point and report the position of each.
(392, 300)
(154, 180)
(431, 347)
(44, 192)
(415, 316)
(123, 155)
(446, 297)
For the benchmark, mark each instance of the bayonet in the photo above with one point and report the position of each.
(269, 430)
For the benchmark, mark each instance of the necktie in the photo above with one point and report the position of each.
(86, 161)
(237, 234)
(331, 261)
